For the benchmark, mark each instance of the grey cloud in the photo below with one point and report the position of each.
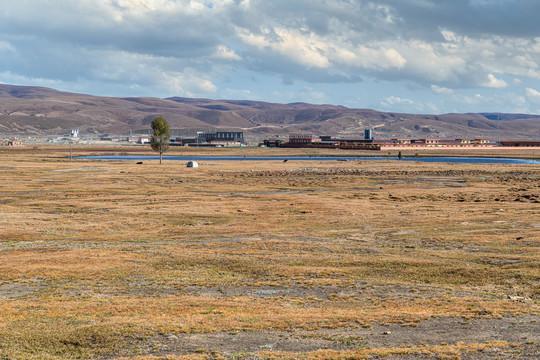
(291, 72)
(359, 19)
(344, 41)
(476, 18)
(95, 24)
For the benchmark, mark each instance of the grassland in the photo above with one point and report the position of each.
(257, 260)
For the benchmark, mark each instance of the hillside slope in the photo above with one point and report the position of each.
(38, 110)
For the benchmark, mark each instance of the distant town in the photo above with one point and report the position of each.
(236, 138)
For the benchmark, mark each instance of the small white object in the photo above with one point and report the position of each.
(192, 164)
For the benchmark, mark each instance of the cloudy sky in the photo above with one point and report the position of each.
(418, 56)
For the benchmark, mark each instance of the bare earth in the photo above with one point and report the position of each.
(266, 259)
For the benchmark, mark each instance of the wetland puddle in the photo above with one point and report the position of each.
(444, 159)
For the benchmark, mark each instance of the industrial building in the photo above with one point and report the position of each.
(220, 137)
(368, 143)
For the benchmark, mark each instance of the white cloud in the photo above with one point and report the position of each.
(533, 95)
(493, 82)
(508, 102)
(328, 52)
(306, 49)
(441, 90)
(450, 36)
(6, 47)
(156, 72)
(380, 59)
(395, 100)
(224, 52)
(188, 83)
(431, 62)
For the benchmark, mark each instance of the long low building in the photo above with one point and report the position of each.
(220, 137)
(298, 141)
(521, 143)
(12, 143)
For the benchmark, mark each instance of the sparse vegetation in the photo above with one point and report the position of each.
(266, 259)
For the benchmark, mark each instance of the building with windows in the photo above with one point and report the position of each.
(220, 137)
(330, 142)
(299, 140)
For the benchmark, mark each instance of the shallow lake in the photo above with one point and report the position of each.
(444, 159)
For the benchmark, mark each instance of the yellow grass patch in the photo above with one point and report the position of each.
(100, 258)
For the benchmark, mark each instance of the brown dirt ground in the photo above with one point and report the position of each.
(267, 260)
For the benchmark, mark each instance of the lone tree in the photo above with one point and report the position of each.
(160, 136)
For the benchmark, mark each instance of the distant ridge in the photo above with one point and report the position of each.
(38, 111)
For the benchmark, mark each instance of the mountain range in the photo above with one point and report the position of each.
(28, 110)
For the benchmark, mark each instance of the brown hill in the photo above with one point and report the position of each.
(37, 110)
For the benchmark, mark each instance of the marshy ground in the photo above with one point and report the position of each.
(264, 260)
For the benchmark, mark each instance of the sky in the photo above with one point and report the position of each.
(414, 56)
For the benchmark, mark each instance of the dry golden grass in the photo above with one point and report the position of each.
(101, 258)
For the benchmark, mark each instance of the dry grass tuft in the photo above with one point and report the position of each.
(110, 259)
